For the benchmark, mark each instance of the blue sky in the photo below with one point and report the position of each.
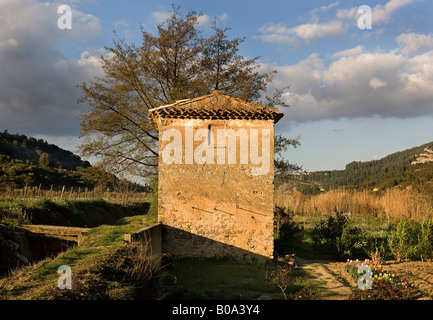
(355, 95)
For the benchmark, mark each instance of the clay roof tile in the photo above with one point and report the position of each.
(215, 106)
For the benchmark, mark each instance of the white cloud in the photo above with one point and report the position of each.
(336, 27)
(358, 83)
(8, 43)
(206, 21)
(161, 16)
(84, 25)
(309, 72)
(203, 20)
(376, 83)
(382, 13)
(91, 58)
(276, 33)
(414, 43)
(38, 83)
(347, 14)
(223, 17)
(312, 31)
(121, 23)
(349, 52)
(325, 8)
(307, 32)
(317, 11)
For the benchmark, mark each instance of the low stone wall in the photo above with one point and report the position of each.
(182, 244)
(27, 243)
(60, 232)
(151, 234)
(178, 243)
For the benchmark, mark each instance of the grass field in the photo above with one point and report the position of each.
(104, 267)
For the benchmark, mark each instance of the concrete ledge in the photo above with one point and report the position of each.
(60, 232)
(151, 233)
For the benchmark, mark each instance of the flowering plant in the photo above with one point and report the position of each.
(384, 285)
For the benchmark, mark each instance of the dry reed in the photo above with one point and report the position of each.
(392, 203)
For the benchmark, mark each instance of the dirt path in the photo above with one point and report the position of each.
(335, 283)
(333, 286)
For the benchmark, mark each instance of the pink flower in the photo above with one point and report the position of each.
(405, 283)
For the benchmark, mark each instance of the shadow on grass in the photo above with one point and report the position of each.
(209, 279)
(76, 213)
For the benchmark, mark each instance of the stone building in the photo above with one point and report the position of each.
(216, 172)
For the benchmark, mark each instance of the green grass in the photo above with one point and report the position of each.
(98, 258)
(376, 229)
(78, 213)
(219, 279)
(225, 279)
(103, 265)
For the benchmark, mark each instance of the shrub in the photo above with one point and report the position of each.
(18, 211)
(282, 277)
(326, 231)
(424, 246)
(289, 231)
(402, 239)
(351, 238)
(281, 216)
(377, 248)
(334, 236)
(286, 229)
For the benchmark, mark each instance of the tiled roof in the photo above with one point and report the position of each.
(214, 106)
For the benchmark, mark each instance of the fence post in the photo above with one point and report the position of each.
(63, 190)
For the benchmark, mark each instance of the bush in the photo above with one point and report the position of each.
(281, 216)
(402, 240)
(286, 229)
(351, 238)
(334, 236)
(289, 231)
(377, 248)
(424, 246)
(282, 277)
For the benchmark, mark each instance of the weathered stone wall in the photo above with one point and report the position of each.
(215, 210)
(152, 234)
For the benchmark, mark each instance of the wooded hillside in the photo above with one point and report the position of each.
(34, 162)
(395, 170)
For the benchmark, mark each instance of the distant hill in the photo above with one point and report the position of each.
(25, 148)
(411, 168)
(34, 162)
